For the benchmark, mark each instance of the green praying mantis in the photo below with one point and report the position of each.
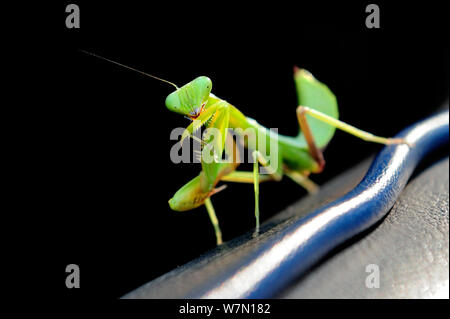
(297, 156)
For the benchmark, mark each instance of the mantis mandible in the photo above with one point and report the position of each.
(298, 156)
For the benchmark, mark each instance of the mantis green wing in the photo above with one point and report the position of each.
(318, 96)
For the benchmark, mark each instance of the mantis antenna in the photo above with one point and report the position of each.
(127, 67)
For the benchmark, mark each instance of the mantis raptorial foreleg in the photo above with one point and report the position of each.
(198, 122)
(215, 137)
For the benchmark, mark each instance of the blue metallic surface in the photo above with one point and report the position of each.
(293, 250)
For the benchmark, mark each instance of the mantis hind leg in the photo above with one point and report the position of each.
(366, 136)
(316, 153)
(301, 178)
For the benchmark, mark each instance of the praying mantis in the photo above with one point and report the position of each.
(297, 156)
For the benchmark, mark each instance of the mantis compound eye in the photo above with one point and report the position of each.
(173, 103)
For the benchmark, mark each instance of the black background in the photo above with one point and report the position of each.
(108, 173)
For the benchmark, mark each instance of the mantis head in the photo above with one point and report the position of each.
(191, 98)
